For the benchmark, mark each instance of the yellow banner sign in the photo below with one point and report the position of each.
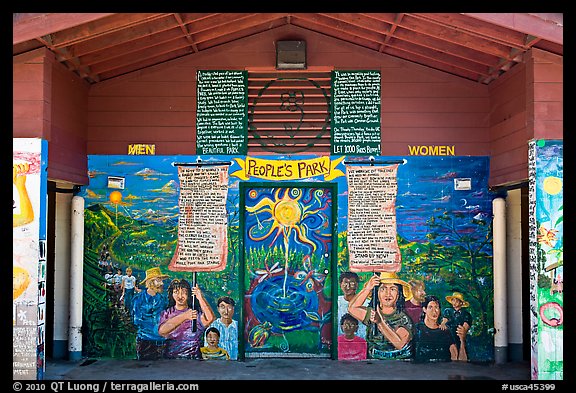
(288, 169)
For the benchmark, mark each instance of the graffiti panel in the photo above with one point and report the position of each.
(546, 223)
(29, 256)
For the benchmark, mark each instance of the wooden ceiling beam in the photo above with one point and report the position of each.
(185, 31)
(334, 33)
(257, 29)
(199, 23)
(341, 29)
(100, 28)
(548, 27)
(26, 27)
(432, 63)
(478, 28)
(73, 63)
(234, 26)
(142, 55)
(462, 38)
(446, 47)
(360, 21)
(145, 63)
(392, 32)
(121, 37)
(137, 45)
(440, 57)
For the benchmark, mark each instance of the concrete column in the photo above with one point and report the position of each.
(500, 299)
(76, 279)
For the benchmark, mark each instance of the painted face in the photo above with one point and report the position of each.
(180, 296)
(226, 311)
(349, 286)
(432, 310)
(212, 338)
(388, 295)
(157, 284)
(418, 293)
(456, 303)
(349, 328)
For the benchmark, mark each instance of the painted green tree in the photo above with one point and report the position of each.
(463, 259)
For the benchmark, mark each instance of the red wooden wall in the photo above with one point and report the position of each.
(50, 102)
(525, 104)
(420, 106)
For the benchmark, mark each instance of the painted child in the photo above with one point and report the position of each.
(212, 350)
(351, 346)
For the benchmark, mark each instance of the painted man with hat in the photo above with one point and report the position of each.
(456, 318)
(389, 329)
(147, 306)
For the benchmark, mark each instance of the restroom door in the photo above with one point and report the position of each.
(288, 236)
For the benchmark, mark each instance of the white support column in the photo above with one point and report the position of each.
(76, 279)
(500, 298)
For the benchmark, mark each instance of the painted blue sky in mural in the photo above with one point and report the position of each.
(425, 187)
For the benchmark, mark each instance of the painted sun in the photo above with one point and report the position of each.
(289, 212)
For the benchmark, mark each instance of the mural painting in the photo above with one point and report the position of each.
(287, 282)
(28, 257)
(288, 257)
(547, 258)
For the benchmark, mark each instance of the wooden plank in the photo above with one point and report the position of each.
(435, 120)
(549, 111)
(511, 140)
(142, 104)
(136, 88)
(30, 128)
(29, 109)
(119, 38)
(435, 105)
(146, 63)
(507, 109)
(441, 135)
(509, 125)
(548, 92)
(139, 134)
(551, 30)
(141, 119)
(548, 72)
(548, 129)
(29, 26)
(24, 91)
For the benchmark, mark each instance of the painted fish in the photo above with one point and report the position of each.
(259, 334)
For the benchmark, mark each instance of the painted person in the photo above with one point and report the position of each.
(176, 321)
(212, 349)
(432, 344)
(147, 307)
(349, 282)
(413, 307)
(389, 329)
(456, 319)
(129, 288)
(117, 287)
(351, 346)
(227, 327)
(26, 213)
